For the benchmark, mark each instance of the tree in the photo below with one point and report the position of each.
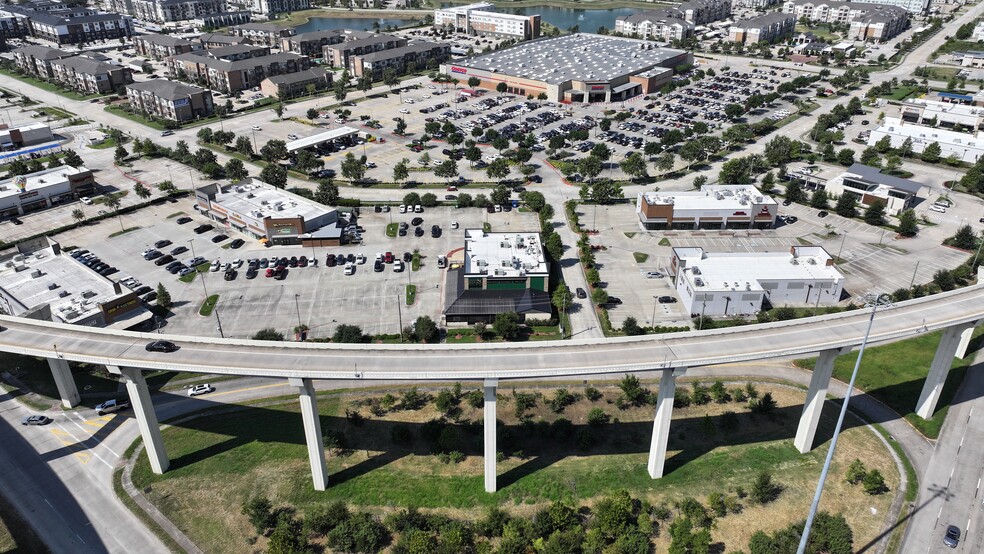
(428, 200)
(78, 215)
(390, 78)
(500, 195)
(561, 297)
(327, 192)
(734, 111)
(501, 87)
(884, 144)
(591, 167)
(73, 159)
(498, 170)
(359, 533)
(845, 156)
(339, 89)
(764, 490)
(287, 537)
(259, 510)
(268, 334)
(818, 199)
(205, 134)
(534, 200)
(474, 82)
(119, 155)
(965, 238)
(931, 154)
(874, 483)
(506, 325)
(401, 127)
(847, 205)
(274, 174)
(634, 165)
(424, 329)
(141, 191)
(905, 149)
(907, 223)
(448, 169)
(353, 168)
(871, 157)
(875, 213)
(400, 171)
(348, 334)
(855, 472)
(244, 146)
(274, 150)
(631, 327)
(312, 114)
(365, 84)
(235, 170)
(473, 154)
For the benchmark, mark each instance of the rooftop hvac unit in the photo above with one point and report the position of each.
(696, 270)
(71, 315)
(36, 273)
(250, 195)
(699, 282)
(88, 294)
(794, 261)
(63, 294)
(263, 202)
(53, 286)
(811, 261)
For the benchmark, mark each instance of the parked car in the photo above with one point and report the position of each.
(350, 268)
(200, 389)
(654, 275)
(182, 220)
(219, 238)
(236, 243)
(178, 250)
(580, 293)
(203, 228)
(667, 299)
(952, 537)
(162, 243)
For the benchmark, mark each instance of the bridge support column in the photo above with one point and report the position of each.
(143, 410)
(312, 432)
(490, 447)
(940, 368)
(67, 389)
(661, 425)
(965, 337)
(815, 396)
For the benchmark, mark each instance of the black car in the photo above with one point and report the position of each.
(952, 537)
(282, 275)
(161, 346)
(203, 228)
(108, 271)
(264, 263)
(251, 272)
(162, 243)
(377, 266)
(236, 243)
(377, 209)
(667, 299)
(302, 261)
(435, 231)
(330, 260)
(179, 250)
(182, 220)
(143, 290)
(150, 296)
(407, 257)
(823, 213)
(416, 221)
(786, 202)
(292, 262)
(580, 293)
(164, 260)
(153, 255)
(402, 232)
(219, 238)
(614, 301)
(418, 232)
(173, 270)
(230, 275)
(173, 264)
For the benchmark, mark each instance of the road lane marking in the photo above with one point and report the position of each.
(78, 443)
(258, 387)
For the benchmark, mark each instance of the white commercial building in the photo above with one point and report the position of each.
(50, 187)
(869, 185)
(739, 283)
(712, 207)
(12, 138)
(967, 147)
(934, 113)
(40, 282)
(482, 19)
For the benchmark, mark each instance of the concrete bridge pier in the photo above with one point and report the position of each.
(954, 338)
(490, 447)
(817, 393)
(67, 389)
(661, 425)
(143, 410)
(312, 431)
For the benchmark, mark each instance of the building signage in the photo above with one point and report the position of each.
(597, 87)
(110, 312)
(180, 102)
(740, 213)
(27, 195)
(764, 211)
(455, 69)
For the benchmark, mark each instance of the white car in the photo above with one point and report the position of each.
(291, 137)
(398, 266)
(257, 128)
(237, 263)
(939, 209)
(404, 110)
(215, 266)
(360, 258)
(200, 389)
(350, 268)
(86, 200)
(403, 209)
(454, 224)
(654, 275)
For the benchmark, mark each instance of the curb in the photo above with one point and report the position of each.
(151, 510)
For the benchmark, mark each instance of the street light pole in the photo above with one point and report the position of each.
(913, 281)
(399, 312)
(877, 301)
(652, 320)
(298, 308)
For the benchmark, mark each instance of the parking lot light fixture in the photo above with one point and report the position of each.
(191, 243)
(873, 301)
(298, 308)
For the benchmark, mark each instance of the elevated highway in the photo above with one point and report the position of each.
(955, 312)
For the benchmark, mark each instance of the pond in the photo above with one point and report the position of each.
(356, 23)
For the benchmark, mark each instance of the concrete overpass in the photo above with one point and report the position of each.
(955, 312)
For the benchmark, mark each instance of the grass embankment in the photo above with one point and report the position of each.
(50, 87)
(894, 374)
(218, 462)
(200, 268)
(208, 305)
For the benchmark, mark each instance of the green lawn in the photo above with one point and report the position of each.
(208, 305)
(640, 257)
(202, 268)
(895, 373)
(123, 231)
(134, 117)
(109, 142)
(56, 113)
(411, 294)
(902, 92)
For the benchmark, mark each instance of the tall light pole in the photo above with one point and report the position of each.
(298, 308)
(399, 312)
(652, 320)
(873, 301)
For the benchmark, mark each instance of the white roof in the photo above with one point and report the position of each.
(711, 197)
(503, 254)
(921, 134)
(57, 176)
(258, 201)
(320, 138)
(745, 271)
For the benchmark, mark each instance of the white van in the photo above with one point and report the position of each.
(937, 208)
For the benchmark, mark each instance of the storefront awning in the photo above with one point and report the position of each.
(625, 87)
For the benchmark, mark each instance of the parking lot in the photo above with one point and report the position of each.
(318, 296)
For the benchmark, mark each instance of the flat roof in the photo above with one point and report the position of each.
(927, 135)
(745, 271)
(504, 254)
(262, 200)
(874, 176)
(320, 138)
(73, 290)
(716, 197)
(578, 57)
(40, 180)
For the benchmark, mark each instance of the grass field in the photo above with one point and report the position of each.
(894, 374)
(44, 85)
(218, 462)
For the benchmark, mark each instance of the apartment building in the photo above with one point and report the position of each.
(165, 11)
(663, 24)
(868, 22)
(236, 52)
(218, 40)
(339, 55)
(419, 54)
(14, 25)
(159, 47)
(271, 7)
(266, 34)
(170, 100)
(222, 19)
(36, 60)
(702, 12)
(482, 19)
(78, 29)
(90, 76)
(764, 28)
(230, 76)
(313, 43)
(296, 84)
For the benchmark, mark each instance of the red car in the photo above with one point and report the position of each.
(270, 272)
(388, 258)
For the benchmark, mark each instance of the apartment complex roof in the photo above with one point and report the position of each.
(168, 90)
(415, 48)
